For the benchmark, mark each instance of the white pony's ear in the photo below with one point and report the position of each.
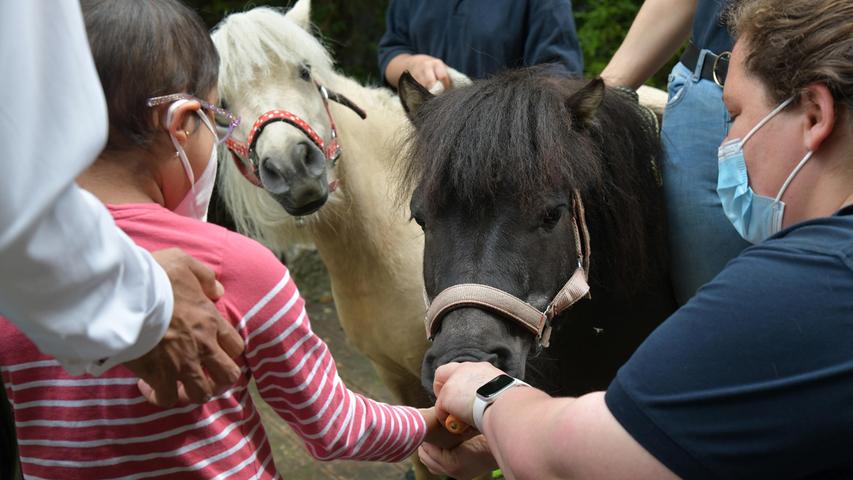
(300, 14)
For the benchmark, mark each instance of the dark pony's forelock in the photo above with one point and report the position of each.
(516, 134)
(512, 134)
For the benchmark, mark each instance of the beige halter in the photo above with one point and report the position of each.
(503, 303)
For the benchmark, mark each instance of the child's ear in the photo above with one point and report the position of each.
(177, 119)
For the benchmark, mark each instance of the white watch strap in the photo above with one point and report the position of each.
(479, 409)
(480, 404)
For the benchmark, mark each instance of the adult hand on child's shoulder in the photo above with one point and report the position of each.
(193, 360)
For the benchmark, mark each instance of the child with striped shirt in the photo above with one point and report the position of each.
(158, 68)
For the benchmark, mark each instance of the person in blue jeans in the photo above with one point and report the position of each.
(701, 238)
(476, 37)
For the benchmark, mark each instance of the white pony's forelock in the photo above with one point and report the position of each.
(254, 45)
(256, 42)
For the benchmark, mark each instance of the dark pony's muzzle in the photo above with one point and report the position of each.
(474, 335)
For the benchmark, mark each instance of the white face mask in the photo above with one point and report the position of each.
(197, 199)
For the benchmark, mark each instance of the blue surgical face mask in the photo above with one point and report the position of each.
(755, 217)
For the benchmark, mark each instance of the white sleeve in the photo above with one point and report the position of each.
(71, 280)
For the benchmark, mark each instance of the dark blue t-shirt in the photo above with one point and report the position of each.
(483, 37)
(708, 30)
(753, 378)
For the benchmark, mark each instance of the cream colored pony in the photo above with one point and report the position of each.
(372, 251)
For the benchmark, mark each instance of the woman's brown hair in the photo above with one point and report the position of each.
(144, 49)
(794, 43)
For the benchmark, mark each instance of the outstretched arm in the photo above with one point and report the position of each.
(524, 421)
(296, 374)
(660, 28)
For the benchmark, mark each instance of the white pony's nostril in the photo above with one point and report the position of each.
(315, 162)
(272, 177)
(310, 157)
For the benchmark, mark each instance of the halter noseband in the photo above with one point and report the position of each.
(246, 159)
(509, 306)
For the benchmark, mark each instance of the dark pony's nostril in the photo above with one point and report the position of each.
(501, 357)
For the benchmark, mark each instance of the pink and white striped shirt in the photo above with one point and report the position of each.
(87, 428)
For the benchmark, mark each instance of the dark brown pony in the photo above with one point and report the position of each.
(491, 169)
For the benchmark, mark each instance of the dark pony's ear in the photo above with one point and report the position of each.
(412, 94)
(585, 102)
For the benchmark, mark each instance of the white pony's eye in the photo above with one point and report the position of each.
(305, 72)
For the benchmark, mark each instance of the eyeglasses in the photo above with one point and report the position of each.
(225, 121)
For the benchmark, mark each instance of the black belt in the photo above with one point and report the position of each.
(714, 67)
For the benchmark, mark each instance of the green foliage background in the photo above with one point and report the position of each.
(352, 28)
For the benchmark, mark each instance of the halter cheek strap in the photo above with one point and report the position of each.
(507, 305)
(244, 155)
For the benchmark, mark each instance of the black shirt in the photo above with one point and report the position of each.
(708, 30)
(753, 377)
(483, 37)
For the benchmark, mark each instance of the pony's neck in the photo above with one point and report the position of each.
(368, 230)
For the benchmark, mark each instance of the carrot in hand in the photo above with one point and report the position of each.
(454, 425)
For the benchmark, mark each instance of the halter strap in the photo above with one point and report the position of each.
(244, 155)
(498, 301)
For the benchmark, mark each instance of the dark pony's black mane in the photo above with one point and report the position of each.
(516, 134)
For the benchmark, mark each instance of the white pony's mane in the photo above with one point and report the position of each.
(258, 42)
(260, 46)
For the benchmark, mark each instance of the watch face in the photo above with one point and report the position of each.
(495, 385)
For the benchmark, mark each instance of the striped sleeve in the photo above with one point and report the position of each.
(297, 376)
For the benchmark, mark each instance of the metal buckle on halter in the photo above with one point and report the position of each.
(543, 340)
(333, 140)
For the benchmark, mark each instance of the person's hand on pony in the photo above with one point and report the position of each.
(429, 71)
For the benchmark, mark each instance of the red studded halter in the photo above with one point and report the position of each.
(246, 159)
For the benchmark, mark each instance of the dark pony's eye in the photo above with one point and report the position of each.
(551, 216)
(305, 72)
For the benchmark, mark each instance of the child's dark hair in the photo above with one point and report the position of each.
(144, 49)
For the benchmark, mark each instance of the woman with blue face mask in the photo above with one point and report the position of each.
(755, 217)
(753, 377)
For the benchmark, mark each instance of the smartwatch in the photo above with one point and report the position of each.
(489, 392)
